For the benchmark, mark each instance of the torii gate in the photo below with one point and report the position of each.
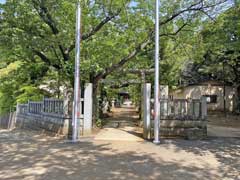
(141, 72)
(146, 96)
(76, 102)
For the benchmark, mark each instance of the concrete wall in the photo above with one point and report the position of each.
(7, 121)
(46, 124)
(180, 128)
(57, 124)
(197, 91)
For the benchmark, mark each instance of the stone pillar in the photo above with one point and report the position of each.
(146, 111)
(17, 109)
(204, 108)
(88, 104)
(143, 79)
(28, 106)
(164, 92)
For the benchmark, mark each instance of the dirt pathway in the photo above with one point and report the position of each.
(122, 126)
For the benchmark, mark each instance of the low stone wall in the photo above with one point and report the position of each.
(190, 129)
(7, 121)
(50, 125)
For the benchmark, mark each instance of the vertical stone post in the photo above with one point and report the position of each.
(17, 108)
(28, 106)
(43, 105)
(143, 79)
(88, 104)
(67, 111)
(164, 92)
(17, 113)
(204, 108)
(147, 111)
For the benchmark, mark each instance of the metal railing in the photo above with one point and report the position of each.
(35, 107)
(51, 107)
(180, 109)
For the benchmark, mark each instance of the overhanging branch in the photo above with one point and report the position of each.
(45, 59)
(48, 19)
(94, 30)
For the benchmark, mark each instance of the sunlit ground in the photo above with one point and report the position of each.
(29, 155)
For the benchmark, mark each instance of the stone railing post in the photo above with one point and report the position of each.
(17, 109)
(88, 104)
(28, 106)
(204, 108)
(146, 111)
(43, 106)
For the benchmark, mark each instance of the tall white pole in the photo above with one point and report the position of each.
(156, 84)
(77, 90)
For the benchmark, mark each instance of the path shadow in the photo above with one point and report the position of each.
(134, 132)
(31, 156)
(226, 151)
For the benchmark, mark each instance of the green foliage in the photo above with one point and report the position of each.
(220, 58)
(29, 93)
(100, 123)
(37, 43)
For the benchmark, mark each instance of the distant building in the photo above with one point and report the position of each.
(213, 90)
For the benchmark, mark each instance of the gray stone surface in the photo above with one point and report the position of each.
(49, 125)
(196, 133)
(88, 103)
(146, 110)
(182, 128)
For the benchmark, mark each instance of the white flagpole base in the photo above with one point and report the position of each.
(156, 142)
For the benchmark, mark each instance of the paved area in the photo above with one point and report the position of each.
(27, 155)
(223, 131)
(118, 154)
(220, 125)
(121, 126)
(119, 134)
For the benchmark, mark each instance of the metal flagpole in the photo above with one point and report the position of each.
(156, 87)
(77, 93)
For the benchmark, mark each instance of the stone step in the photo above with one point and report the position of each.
(118, 124)
(190, 133)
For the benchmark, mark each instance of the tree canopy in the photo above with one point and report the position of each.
(37, 42)
(220, 58)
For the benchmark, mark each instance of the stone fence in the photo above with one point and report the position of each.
(48, 116)
(178, 117)
(54, 116)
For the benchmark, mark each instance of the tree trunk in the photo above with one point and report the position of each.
(95, 102)
(94, 81)
(238, 99)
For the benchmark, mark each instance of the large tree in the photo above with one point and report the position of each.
(40, 34)
(221, 49)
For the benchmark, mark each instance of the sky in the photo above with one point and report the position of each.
(2, 1)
